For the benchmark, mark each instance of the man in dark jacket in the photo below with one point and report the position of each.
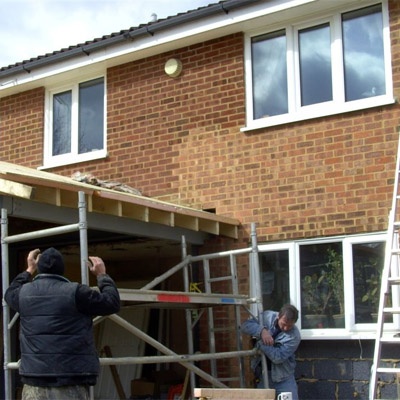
(58, 355)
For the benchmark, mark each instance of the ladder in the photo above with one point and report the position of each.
(389, 306)
(231, 279)
(220, 268)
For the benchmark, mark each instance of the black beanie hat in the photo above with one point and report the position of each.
(51, 262)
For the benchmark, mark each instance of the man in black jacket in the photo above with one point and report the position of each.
(58, 354)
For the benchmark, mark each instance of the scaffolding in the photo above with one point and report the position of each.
(194, 302)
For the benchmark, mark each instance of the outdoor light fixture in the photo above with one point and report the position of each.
(173, 67)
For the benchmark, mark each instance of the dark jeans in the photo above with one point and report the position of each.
(288, 385)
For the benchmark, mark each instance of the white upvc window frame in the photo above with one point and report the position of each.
(49, 160)
(338, 105)
(351, 329)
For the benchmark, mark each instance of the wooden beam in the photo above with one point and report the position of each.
(234, 394)
(58, 190)
(15, 189)
(161, 217)
(135, 211)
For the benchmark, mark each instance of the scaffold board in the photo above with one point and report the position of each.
(234, 394)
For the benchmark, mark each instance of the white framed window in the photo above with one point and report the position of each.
(334, 282)
(75, 128)
(307, 69)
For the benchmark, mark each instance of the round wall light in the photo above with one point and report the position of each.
(173, 67)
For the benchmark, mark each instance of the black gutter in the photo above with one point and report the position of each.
(150, 29)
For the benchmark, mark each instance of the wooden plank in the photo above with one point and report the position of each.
(234, 394)
(209, 226)
(47, 195)
(15, 189)
(162, 205)
(185, 221)
(228, 230)
(34, 177)
(161, 217)
(106, 206)
(134, 211)
(59, 190)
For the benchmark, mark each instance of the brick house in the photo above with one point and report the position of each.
(278, 113)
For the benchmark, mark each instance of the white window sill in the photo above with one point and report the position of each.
(319, 111)
(68, 159)
(359, 331)
(340, 334)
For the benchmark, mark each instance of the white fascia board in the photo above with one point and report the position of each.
(238, 20)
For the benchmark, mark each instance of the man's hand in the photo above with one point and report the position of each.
(32, 260)
(97, 266)
(266, 337)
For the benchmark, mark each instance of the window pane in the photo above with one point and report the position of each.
(62, 123)
(315, 65)
(274, 268)
(91, 116)
(368, 259)
(270, 95)
(322, 294)
(363, 53)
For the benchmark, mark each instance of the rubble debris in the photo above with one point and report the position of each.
(113, 185)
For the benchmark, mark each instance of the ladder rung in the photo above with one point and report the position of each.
(392, 310)
(221, 278)
(388, 370)
(394, 280)
(395, 252)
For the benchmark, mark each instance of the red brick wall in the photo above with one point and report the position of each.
(168, 134)
(22, 127)
(180, 140)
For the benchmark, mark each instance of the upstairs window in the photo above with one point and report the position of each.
(75, 128)
(338, 64)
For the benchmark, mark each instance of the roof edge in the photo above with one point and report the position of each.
(149, 29)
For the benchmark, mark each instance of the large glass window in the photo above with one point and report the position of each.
(62, 104)
(315, 65)
(91, 116)
(275, 290)
(76, 130)
(367, 268)
(363, 53)
(322, 285)
(269, 75)
(334, 65)
(334, 282)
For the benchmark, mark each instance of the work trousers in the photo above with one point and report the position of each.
(288, 385)
(74, 392)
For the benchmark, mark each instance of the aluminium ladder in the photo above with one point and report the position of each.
(389, 293)
(228, 274)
